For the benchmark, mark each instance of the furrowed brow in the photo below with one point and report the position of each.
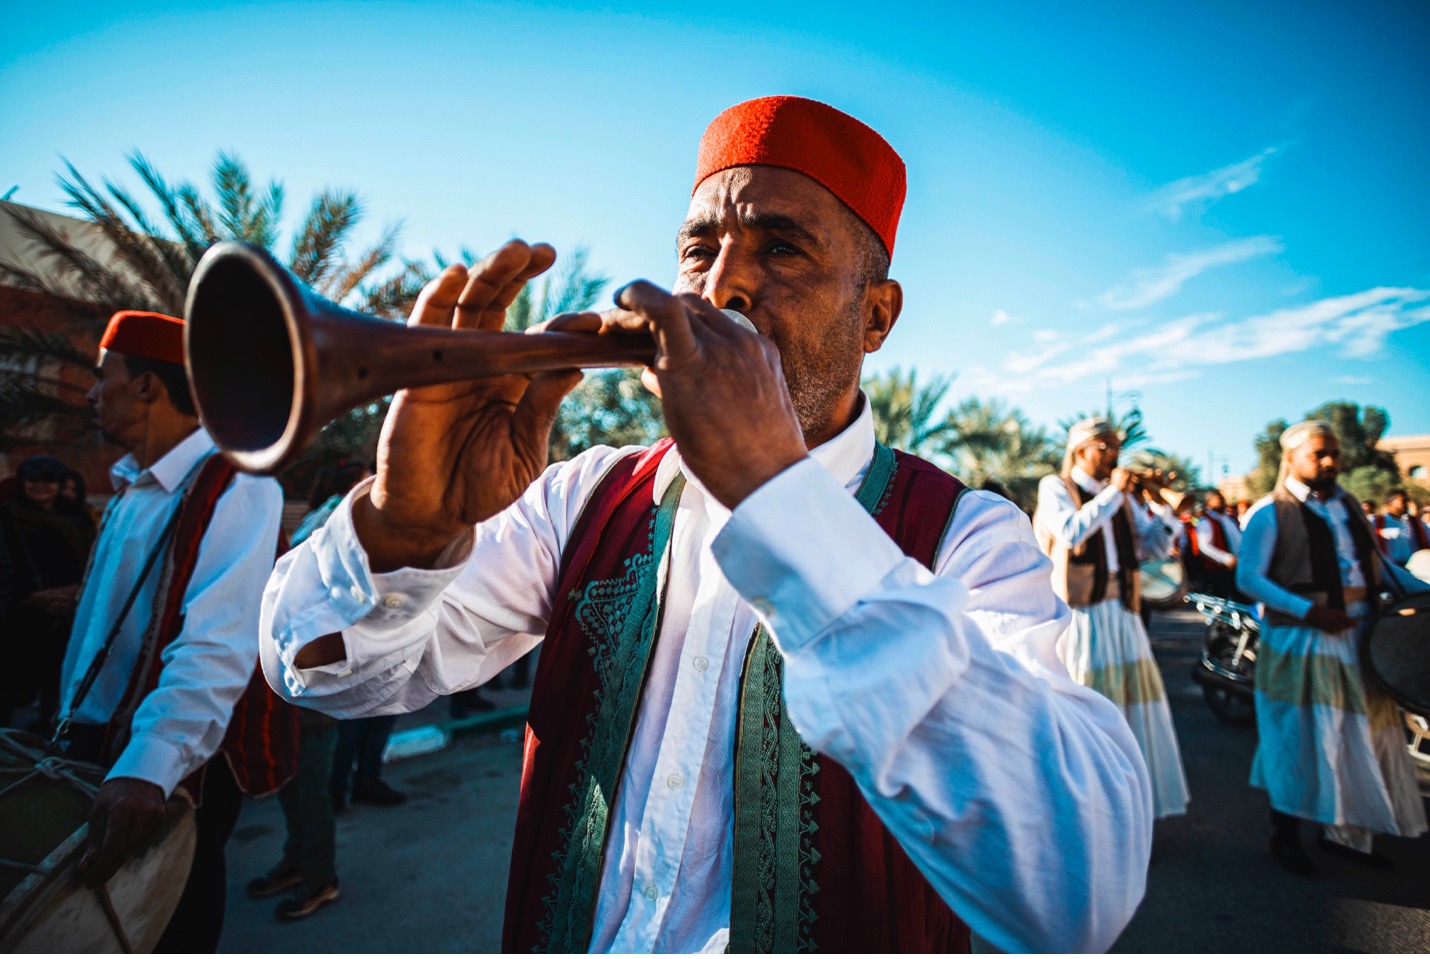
(784, 225)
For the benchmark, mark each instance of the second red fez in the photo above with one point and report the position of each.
(153, 336)
(832, 148)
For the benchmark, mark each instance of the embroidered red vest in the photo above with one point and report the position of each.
(261, 743)
(814, 868)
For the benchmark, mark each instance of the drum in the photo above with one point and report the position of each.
(44, 807)
(1397, 652)
(1163, 582)
(1419, 565)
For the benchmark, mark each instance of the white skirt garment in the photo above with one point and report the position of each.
(1106, 648)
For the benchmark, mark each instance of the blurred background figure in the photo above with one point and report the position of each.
(47, 539)
(1399, 530)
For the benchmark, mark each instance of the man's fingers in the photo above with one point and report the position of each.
(668, 317)
(493, 284)
(570, 323)
(111, 850)
(438, 298)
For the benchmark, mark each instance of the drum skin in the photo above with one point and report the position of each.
(1397, 650)
(44, 805)
(1163, 582)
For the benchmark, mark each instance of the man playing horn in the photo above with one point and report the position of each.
(796, 690)
(1092, 522)
(1330, 747)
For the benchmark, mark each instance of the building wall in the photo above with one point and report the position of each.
(1412, 455)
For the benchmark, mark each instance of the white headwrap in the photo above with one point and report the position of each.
(1294, 436)
(1085, 431)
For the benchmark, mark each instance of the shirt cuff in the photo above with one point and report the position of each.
(153, 760)
(802, 551)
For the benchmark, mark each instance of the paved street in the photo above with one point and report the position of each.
(429, 876)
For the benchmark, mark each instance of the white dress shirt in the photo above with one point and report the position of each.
(1208, 547)
(181, 724)
(1155, 528)
(1021, 795)
(1258, 544)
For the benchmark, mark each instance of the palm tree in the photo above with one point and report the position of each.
(905, 414)
(996, 445)
(147, 267)
(1129, 425)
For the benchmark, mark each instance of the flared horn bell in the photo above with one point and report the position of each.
(270, 361)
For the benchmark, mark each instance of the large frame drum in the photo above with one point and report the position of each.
(44, 807)
(1397, 652)
(1163, 582)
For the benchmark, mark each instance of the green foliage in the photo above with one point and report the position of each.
(906, 414)
(151, 260)
(1184, 475)
(993, 443)
(1129, 426)
(1359, 429)
(609, 408)
(1372, 481)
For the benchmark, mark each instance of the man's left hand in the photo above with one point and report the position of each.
(125, 821)
(722, 388)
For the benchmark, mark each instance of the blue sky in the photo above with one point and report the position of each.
(1220, 206)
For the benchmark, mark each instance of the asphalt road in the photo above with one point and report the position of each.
(430, 876)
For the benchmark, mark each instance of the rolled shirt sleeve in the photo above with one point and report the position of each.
(1021, 795)
(205, 669)
(412, 635)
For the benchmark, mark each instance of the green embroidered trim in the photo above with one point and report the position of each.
(772, 889)
(620, 617)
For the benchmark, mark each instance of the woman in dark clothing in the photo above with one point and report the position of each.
(48, 539)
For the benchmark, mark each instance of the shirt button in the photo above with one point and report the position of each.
(393, 601)
(336, 592)
(674, 781)
(651, 892)
(701, 663)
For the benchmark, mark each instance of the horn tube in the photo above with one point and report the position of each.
(270, 361)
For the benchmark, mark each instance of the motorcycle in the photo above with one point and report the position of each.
(1227, 670)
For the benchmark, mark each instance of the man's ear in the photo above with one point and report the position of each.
(148, 388)
(883, 302)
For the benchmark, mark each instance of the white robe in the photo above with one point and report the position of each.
(1106, 646)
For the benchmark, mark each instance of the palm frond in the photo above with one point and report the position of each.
(177, 216)
(76, 273)
(320, 238)
(353, 273)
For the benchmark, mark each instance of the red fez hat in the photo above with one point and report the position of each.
(153, 336)
(835, 150)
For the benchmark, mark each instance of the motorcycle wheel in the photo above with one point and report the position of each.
(1232, 707)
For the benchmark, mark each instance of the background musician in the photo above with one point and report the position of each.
(1218, 539)
(774, 578)
(1092, 521)
(165, 641)
(1330, 746)
(1400, 531)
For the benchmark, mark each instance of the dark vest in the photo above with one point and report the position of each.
(1305, 561)
(814, 867)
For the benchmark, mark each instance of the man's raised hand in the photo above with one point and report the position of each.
(722, 388)
(453, 455)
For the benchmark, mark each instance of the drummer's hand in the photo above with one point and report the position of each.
(722, 389)
(125, 820)
(451, 456)
(1329, 620)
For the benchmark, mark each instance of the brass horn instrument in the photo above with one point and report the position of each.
(270, 361)
(1153, 484)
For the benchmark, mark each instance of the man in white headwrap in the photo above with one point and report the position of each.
(1091, 520)
(1330, 748)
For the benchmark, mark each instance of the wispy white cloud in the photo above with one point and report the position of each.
(1171, 200)
(1354, 380)
(1153, 284)
(1001, 317)
(1355, 325)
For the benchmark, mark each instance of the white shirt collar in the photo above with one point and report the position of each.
(846, 456)
(1302, 492)
(1084, 479)
(169, 470)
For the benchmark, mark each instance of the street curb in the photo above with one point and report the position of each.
(434, 737)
